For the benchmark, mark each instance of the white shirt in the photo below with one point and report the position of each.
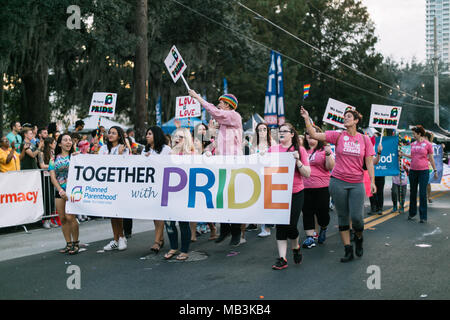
(165, 151)
(114, 151)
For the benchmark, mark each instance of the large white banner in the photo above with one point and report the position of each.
(384, 116)
(235, 189)
(334, 113)
(20, 197)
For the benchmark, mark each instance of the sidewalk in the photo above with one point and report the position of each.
(21, 244)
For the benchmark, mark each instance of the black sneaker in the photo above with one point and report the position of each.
(358, 246)
(251, 227)
(235, 240)
(222, 236)
(298, 257)
(280, 264)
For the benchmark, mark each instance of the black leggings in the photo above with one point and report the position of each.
(290, 231)
(317, 203)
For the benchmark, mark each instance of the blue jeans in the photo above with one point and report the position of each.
(418, 179)
(172, 232)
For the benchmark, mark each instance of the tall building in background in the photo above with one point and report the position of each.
(441, 10)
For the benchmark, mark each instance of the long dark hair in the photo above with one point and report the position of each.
(295, 139)
(159, 139)
(47, 150)
(320, 144)
(268, 137)
(58, 148)
(121, 135)
(205, 139)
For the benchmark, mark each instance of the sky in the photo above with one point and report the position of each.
(400, 27)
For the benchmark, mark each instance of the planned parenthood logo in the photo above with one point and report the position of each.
(76, 194)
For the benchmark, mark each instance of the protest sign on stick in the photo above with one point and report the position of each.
(334, 113)
(176, 65)
(384, 117)
(187, 107)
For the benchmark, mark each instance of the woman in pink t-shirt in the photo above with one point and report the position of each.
(289, 142)
(421, 153)
(353, 150)
(317, 195)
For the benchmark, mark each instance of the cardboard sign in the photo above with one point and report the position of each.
(334, 114)
(187, 107)
(103, 104)
(386, 117)
(175, 64)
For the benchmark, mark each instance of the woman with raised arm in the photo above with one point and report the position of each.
(353, 150)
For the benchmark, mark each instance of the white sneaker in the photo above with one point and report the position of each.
(111, 246)
(242, 241)
(264, 233)
(122, 244)
(46, 224)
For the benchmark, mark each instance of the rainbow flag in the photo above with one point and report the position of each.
(306, 91)
(100, 141)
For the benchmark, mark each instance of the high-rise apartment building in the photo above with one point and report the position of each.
(441, 10)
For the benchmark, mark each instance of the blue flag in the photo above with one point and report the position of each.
(280, 90)
(225, 86)
(270, 105)
(158, 112)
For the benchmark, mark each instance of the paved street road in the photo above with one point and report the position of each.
(413, 260)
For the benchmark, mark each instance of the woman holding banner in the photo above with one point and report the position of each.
(156, 145)
(182, 145)
(289, 142)
(317, 195)
(229, 142)
(59, 170)
(346, 184)
(116, 145)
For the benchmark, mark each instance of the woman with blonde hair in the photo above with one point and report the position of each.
(182, 145)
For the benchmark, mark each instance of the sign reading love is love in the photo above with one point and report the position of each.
(334, 113)
(187, 107)
(237, 189)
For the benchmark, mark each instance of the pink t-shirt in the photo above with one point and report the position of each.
(350, 154)
(320, 176)
(419, 154)
(298, 179)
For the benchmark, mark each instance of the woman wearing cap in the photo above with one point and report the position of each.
(421, 153)
(229, 142)
(346, 184)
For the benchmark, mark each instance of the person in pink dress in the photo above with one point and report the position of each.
(353, 150)
(228, 142)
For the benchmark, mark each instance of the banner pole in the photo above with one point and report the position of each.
(382, 134)
(185, 83)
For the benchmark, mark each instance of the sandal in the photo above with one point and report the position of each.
(75, 247)
(182, 256)
(67, 248)
(169, 255)
(157, 246)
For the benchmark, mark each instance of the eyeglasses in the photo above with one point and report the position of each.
(262, 129)
(178, 137)
(285, 131)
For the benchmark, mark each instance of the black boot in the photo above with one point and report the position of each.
(358, 246)
(348, 254)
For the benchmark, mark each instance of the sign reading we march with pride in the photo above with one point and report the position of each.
(103, 104)
(385, 117)
(334, 114)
